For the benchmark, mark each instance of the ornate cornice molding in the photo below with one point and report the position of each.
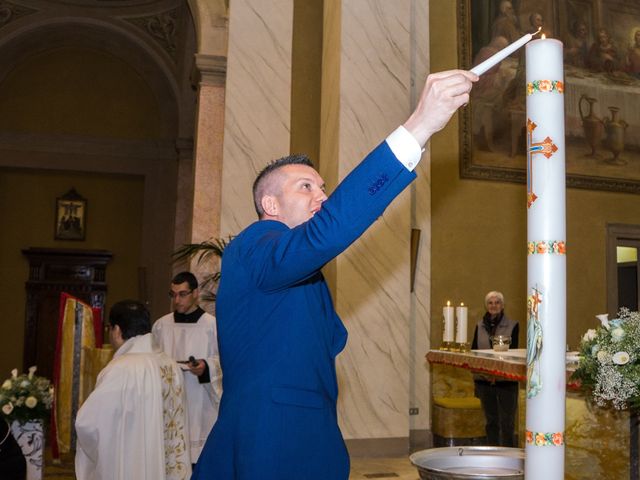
(162, 27)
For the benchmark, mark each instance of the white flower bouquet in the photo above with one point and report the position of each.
(609, 367)
(25, 397)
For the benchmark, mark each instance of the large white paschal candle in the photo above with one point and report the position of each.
(546, 261)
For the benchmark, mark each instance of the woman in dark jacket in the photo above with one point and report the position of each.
(499, 398)
(12, 463)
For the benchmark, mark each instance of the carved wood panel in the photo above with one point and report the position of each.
(81, 273)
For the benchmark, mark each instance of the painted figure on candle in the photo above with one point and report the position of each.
(499, 398)
(534, 344)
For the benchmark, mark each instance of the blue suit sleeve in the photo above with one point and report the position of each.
(279, 257)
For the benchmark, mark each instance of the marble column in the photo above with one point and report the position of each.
(207, 163)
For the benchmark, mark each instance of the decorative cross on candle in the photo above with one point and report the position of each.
(546, 148)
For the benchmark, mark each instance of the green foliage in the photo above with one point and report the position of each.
(204, 252)
(609, 368)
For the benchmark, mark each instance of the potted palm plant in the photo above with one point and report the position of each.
(208, 252)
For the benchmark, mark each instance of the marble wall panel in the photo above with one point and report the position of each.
(372, 278)
(258, 102)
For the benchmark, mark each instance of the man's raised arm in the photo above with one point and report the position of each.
(443, 94)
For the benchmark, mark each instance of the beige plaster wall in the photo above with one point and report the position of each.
(77, 110)
(27, 203)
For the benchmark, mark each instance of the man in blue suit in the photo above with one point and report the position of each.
(277, 329)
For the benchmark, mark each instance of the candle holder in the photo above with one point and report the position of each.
(462, 347)
(447, 346)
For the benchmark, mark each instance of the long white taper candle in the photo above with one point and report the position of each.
(546, 261)
(502, 54)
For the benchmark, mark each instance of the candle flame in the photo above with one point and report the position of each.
(448, 303)
(537, 32)
(543, 36)
(462, 304)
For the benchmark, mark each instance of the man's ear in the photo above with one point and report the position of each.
(269, 205)
(117, 331)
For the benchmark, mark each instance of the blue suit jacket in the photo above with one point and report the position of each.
(279, 335)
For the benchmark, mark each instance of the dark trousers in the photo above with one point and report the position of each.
(500, 402)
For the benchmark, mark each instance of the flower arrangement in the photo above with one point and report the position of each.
(25, 397)
(609, 367)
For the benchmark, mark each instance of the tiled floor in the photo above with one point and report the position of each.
(361, 469)
(383, 468)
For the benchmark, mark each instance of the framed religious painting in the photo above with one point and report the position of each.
(70, 216)
(601, 52)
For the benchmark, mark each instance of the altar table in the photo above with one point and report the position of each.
(511, 365)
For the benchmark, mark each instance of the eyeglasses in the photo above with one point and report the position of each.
(181, 294)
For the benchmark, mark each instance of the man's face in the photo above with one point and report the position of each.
(184, 299)
(301, 195)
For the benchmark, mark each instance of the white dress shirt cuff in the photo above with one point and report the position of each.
(405, 147)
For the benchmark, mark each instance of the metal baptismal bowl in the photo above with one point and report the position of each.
(470, 463)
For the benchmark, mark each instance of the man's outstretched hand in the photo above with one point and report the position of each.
(443, 94)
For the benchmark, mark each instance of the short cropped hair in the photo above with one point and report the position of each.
(261, 184)
(493, 294)
(183, 277)
(132, 317)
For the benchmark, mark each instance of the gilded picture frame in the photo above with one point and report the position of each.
(70, 216)
(602, 89)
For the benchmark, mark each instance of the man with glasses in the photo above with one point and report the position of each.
(189, 335)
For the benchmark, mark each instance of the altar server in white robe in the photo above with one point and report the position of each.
(134, 424)
(190, 332)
